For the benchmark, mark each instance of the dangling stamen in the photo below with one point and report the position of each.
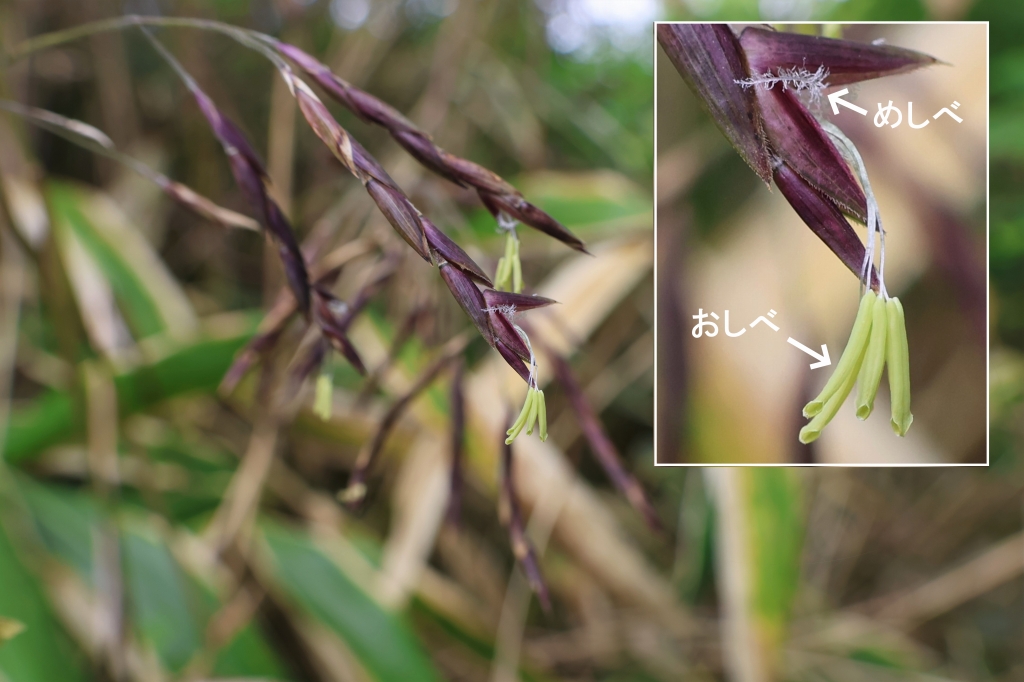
(879, 335)
(534, 410)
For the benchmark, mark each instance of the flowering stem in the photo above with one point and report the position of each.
(55, 38)
(96, 141)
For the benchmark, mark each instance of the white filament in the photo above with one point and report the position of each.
(874, 220)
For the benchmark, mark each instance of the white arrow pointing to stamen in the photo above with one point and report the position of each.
(836, 98)
(823, 359)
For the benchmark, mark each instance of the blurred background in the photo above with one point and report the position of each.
(742, 248)
(151, 529)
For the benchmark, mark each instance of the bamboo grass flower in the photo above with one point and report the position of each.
(774, 131)
(825, 407)
(849, 364)
(529, 406)
(509, 274)
(534, 412)
(879, 337)
(497, 195)
(750, 84)
(542, 417)
(898, 357)
(95, 140)
(460, 273)
(825, 414)
(511, 336)
(874, 360)
(323, 401)
(251, 178)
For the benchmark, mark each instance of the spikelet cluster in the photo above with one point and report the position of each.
(878, 338)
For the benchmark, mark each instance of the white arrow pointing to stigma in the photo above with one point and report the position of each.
(823, 359)
(836, 98)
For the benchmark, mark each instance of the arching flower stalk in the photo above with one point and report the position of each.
(251, 178)
(511, 517)
(457, 269)
(91, 138)
(490, 307)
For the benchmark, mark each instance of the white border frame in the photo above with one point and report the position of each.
(988, 289)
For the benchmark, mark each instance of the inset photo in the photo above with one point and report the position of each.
(821, 244)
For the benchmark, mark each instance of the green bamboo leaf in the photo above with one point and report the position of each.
(775, 515)
(171, 611)
(64, 520)
(42, 652)
(151, 299)
(878, 10)
(56, 417)
(696, 568)
(249, 655)
(166, 602)
(383, 641)
(166, 610)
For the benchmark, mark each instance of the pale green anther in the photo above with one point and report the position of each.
(501, 274)
(324, 400)
(507, 264)
(849, 363)
(874, 360)
(521, 419)
(898, 357)
(532, 419)
(531, 397)
(542, 416)
(812, 430)
(517, 270)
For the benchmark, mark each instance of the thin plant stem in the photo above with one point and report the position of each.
(874, 221)
(96, 141)
(48, 40)
(252, 39)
